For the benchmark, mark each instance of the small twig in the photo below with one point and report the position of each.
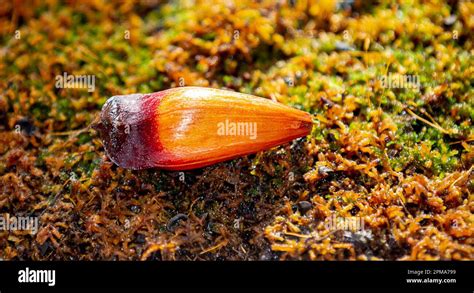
(462, 176)
(297, 235)
(223, 243)
(429, 116)
(461, 141)
(427, 122)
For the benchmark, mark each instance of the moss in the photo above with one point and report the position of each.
(391, 156)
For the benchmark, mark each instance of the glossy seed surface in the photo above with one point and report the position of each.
(192, 127)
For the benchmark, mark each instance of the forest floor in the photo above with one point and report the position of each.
(385, 174)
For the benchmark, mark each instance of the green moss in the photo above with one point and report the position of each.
(292, 56)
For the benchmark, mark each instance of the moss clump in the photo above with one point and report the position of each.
(397, 157)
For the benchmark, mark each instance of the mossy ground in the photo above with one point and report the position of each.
(399, 158)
